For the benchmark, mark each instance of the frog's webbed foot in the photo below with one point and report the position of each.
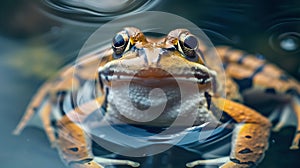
(295, 143)
(231, 164)
(285, 115)
(216, 161)
(74, 146)
(86, 164)
(38, 113)
(107, 161)
(296, 108)
(98, 161)
(288, 115)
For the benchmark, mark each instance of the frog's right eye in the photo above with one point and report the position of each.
(120, 43)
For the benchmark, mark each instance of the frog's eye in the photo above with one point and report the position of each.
(188, 45)
(120, 42)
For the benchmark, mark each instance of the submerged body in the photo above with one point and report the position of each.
(155, 82)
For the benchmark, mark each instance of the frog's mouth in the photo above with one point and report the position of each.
(156, 77)
(183, 93)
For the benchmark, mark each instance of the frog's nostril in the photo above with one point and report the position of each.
(105, 75)
(201, 75)
(203, 78)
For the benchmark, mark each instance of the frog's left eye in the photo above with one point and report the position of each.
(120, 42)
(188, 45)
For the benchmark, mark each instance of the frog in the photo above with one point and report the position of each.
(151, 62)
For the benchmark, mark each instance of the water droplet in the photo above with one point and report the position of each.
(273, 140)
(102, 136)
(289, 44)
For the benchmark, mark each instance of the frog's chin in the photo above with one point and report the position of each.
(140, 101)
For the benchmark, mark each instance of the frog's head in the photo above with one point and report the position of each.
(145, 63)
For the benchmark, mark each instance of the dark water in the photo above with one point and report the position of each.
(39, 37)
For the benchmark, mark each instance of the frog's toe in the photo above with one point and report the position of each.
(54, 144)
(107, 161)
(296, 108)
(288, 115)
(285, 116)
(231, 164)
(88, 164)
(295, 144)
(217, 161)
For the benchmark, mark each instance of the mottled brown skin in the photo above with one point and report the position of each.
(268, 77)
(250, 138)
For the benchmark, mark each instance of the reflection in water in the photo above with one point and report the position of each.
(97, 10)
(192, 145)
(285, 37)
(254, 26)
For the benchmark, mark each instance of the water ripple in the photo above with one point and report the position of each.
(96, 11)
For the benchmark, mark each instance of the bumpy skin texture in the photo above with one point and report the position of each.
(243, 72)
(250, 138)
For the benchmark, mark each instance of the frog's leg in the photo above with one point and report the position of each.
(32, 108)
(73, 145)
(40, 106)
(73, 142)
(252, 73)
(250, 137)
(296, 107)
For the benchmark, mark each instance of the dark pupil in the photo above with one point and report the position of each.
(118, 40)
(190, 42)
